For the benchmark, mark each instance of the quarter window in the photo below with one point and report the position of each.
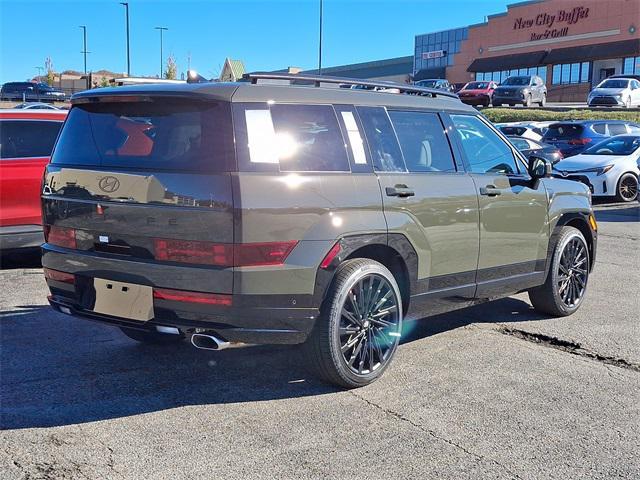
(296, 137)
(383, 144)
(424, 145)
(484, 149)
(25, 139)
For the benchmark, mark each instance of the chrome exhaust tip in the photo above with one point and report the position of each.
(208, 342)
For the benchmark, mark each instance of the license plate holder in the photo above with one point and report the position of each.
(125, 300)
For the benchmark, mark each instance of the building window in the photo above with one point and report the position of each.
(631, 66)
(501, 76)
(568, 73)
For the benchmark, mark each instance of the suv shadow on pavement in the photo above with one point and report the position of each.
(621, 214)
(22, 258)
(51, 378)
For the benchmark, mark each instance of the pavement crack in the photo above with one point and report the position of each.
(433, 434)
(568, 346)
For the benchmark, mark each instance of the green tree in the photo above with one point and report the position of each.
(48, 66)
(172, 69)
(104, 82)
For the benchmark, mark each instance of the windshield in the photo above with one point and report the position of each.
(171, 134)
(427, 83)
(614, 83)
(476, 86)
(620, 145)
(516, 81)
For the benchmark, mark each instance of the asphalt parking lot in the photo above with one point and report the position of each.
(496, 391)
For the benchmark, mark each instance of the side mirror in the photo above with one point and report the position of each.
(539, 167)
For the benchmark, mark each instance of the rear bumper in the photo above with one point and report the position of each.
(476, 100)
(251, 318)
(20, 236)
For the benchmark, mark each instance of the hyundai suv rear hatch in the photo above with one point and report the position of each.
(139, 190)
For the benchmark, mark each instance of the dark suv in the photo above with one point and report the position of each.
(527, 90)
(262, 213)
(30, 92)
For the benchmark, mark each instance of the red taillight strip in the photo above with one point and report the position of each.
(335, 250)
(192, 297)
(223, 254)
(59, 276)
(60, 236)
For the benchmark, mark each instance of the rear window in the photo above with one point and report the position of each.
(26, 138)
(517, 131)
(164, 134)
(563, 131)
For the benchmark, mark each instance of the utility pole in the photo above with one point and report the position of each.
(126, 6)
(320, 43)
(84, 49)
(162, 29)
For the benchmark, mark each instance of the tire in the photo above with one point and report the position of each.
(527, 102)
(370, 346)
(627, 188)
(543, 101)
(566, 284)
(151, 337)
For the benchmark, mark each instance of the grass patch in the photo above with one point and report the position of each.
(498, 115)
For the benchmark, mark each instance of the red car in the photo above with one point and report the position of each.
(26, 141)
(477, 93)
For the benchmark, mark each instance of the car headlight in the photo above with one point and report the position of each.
(603, 170)
(617, 97)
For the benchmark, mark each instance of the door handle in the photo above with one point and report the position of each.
(399, 191)
(490, 191)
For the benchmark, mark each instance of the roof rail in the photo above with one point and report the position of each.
(318, 79)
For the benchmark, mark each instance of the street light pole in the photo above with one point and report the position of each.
(126, 6)
(320, 43)
(84, 49)
(162, 29)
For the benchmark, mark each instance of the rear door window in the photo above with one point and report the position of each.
(425, 147)
(617, 129)
(291, 138)
(168, 134)
(383, 144)
(27, 138)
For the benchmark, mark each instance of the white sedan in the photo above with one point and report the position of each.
(610, 168)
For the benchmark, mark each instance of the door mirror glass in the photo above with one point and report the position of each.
(539, 167)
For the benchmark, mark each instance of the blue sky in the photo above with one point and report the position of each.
(266, 35)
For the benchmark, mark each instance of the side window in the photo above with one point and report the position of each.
(485, 151)
(600, 128)
(24, 139)
(297, 138)
(520, 143)
(617, 129)
(424, 145)
(381, 138)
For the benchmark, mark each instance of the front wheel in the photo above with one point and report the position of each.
(566, 283)
(627, 190)
(357, 333)
(527, 102)
(543, 101)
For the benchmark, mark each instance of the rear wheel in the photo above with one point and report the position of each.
(151, 336)
(356, 336)
(627, 190)
(566, 283)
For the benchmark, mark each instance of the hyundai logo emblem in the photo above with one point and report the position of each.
(109, 184)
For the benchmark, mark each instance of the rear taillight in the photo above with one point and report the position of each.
(223, 254)
(253, 254)
(580, 141)
(59, 276)
(60, 236)
(183, 251)
(192, 297)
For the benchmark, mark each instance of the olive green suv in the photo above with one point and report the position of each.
(283, 209)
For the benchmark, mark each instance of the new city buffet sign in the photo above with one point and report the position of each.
(555, 25)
